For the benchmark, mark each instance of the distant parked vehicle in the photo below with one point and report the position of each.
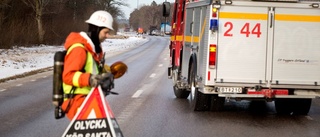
(151, 29)
(155, 32)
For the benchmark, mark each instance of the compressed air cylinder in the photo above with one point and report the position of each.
(57, 98)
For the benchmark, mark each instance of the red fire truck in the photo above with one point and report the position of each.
(245, 50)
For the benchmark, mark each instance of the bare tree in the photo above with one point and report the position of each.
(134, 19)
(32, 22)
(113, 6)
(3, 4)
(38, 7)
(147, 16)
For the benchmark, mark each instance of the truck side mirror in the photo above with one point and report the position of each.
(166, 9)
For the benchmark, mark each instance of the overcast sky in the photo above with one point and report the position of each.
(134, 3)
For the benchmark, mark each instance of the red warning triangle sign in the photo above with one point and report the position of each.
(94, 118)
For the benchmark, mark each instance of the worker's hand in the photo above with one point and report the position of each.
(107, 83)
(94, 80)
(103, 79)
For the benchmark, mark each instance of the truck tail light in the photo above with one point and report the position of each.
(214, 21)
(214, 12)
(212, 55)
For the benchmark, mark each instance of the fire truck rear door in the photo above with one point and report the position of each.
(242, 44)
(296, 46)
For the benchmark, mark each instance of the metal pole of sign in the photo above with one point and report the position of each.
(165, 23)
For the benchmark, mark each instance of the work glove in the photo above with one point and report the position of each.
(107, 84)
(105, 80)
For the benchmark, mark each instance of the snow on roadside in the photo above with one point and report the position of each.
(25, 59)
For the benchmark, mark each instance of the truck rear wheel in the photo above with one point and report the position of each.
(180, 93)
(199, 101)
(293, 106)
(283, 106)
(302, 106)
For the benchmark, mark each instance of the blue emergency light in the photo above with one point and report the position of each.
(213, 24)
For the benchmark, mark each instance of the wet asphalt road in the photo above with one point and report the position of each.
(146, 106)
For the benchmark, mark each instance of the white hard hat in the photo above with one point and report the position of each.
(101, 19)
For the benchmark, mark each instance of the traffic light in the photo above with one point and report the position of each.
(166, 9)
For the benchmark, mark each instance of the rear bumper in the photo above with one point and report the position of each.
(265, 97)
(266, 93)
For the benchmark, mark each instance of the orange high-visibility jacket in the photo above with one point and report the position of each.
(75, 60)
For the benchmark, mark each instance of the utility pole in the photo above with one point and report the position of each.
(137, 4)
(137, 9)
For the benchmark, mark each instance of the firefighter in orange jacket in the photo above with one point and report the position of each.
(81, 68)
